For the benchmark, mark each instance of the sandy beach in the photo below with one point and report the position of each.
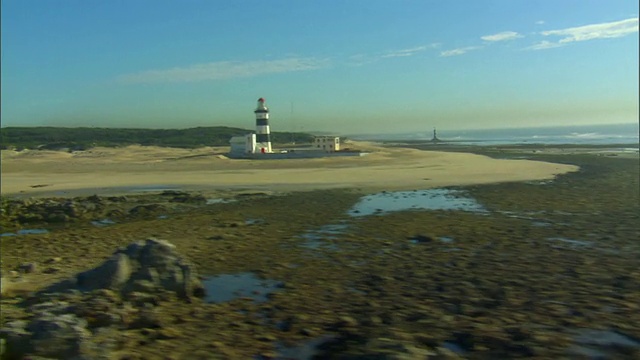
(109, 170)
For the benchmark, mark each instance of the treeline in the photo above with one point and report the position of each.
(81, 138)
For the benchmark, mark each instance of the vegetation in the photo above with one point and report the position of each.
(57, 138)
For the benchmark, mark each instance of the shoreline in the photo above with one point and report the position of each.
(131, 169)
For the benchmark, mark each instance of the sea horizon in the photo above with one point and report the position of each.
(602, 134)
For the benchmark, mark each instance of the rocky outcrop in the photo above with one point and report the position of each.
(52, 210)
(147, 210)
(55, 331)
(82, 319)
(184, 197)
(148, 266)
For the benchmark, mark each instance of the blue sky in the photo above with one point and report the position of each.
(342, 66)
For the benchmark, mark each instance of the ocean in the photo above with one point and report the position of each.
(584, 135)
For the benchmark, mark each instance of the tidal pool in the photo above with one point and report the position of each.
(580, 243)
(316, 239)
(432, 199)
(454, 347)
(304, 351)
(423, 239)
(226, 287)
(219, 201)
(103, 222)
(27, 232)
(601, 344)
(152, 188)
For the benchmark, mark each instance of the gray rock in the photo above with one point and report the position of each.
(147, 319)
(46, 336)
(141, 299)
(147, 209)
(3, 286)
(54, 260)
(17, 339)
(28, 268)
(59, 336)
(149, 266)
(112, 274)
(50, 308)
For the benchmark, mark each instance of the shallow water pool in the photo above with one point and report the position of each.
(432, 199)
(227, 287)
(27, 232)
(317, 239)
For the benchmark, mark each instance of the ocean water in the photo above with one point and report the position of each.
(586, 135)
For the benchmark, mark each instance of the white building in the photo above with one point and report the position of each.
(326, 143)
(245, 144)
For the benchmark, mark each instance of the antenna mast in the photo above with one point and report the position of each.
(293, 128)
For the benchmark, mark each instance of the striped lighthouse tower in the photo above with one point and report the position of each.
(263, 137)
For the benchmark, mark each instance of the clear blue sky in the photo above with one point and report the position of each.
(345, 66)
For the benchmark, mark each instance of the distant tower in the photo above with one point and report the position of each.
(263, 137)
(435, 136)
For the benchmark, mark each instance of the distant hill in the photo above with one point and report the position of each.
(57, 138)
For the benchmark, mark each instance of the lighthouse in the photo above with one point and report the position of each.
(263, 137)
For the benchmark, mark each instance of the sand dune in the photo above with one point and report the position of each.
(208, 168)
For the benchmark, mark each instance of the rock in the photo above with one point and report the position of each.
(29, 218)
(190, 199)
(145, 286)
(16, 339)
(421, 239)
(47, 335)
(3, 286)
(375, 321)
(347, 322)
(151, 266)
(307, 332)
(50, 308)
(266, 338)
(174, 193)
(95, 199)
(57, 217)
(27, 268)
(53, 260)
(147, 209)
(51, 270)
(101, 311)
(147, 319)
(140, 299)
(116, 213)
(112, 274)
(61, 336)
(54, 210)
(118, 198)
(168, 333)
(65, 322)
